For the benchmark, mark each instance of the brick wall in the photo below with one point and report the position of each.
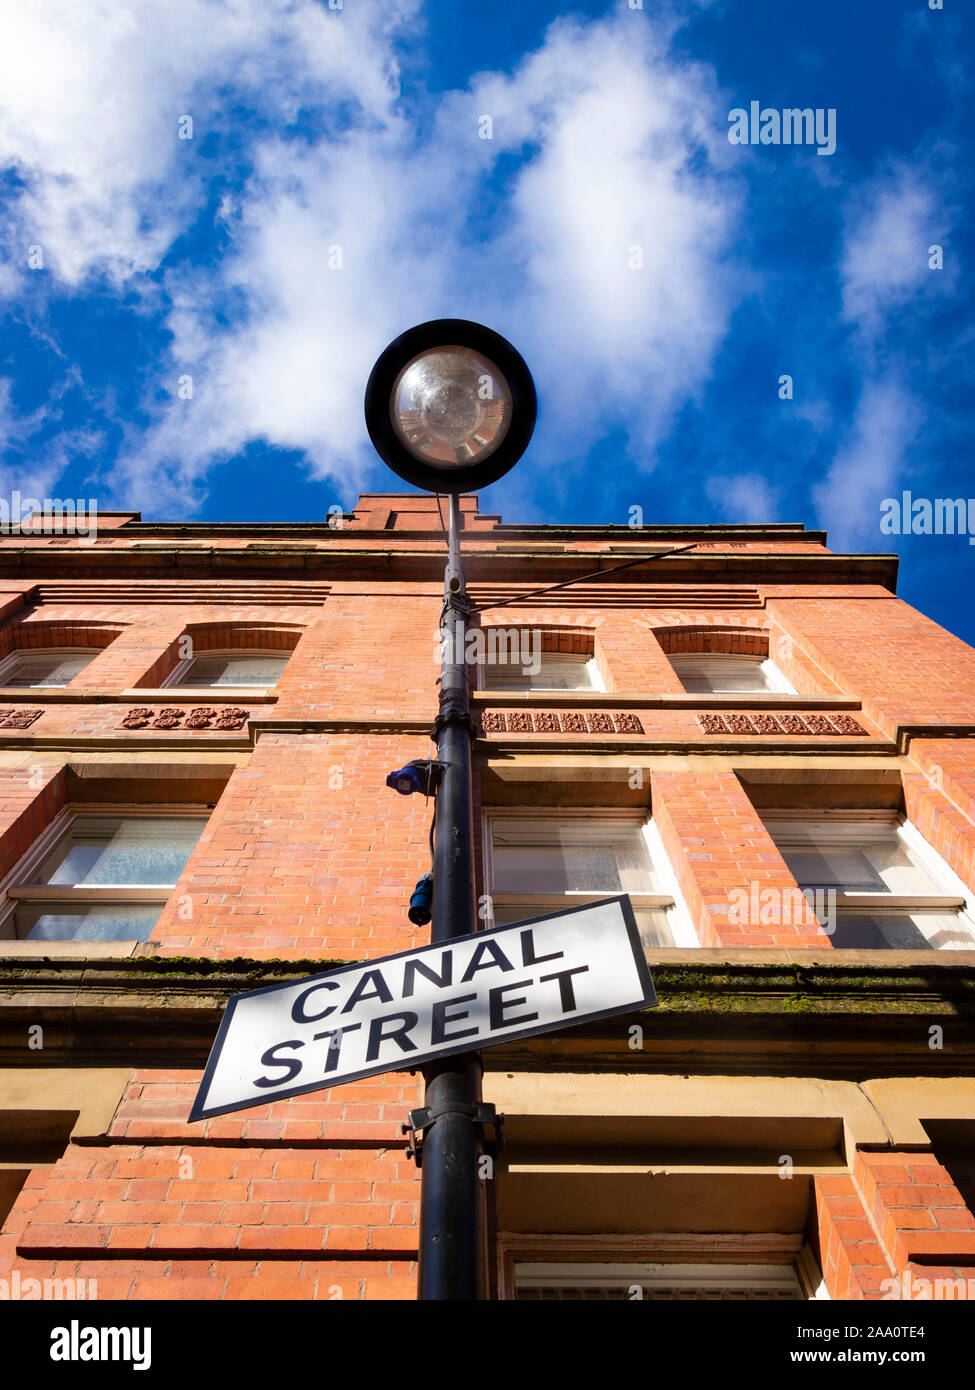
(897, 1213)
(307, 854)
(735, 882)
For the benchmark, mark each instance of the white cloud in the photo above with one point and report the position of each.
(91, 97)
(628, 159)
(744, 497)
(869, 466)
(890, 225)
(38, 475)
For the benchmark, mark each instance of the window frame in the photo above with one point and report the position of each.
(669, 898)
(649, 1256)
(776, 682)
(759, 1280)
(956, 899)
(184, 665)
(12, 659)
(17, 888)
(596, 684)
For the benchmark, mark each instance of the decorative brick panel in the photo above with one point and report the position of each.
(793, 724)
(627, 724)
(224, 718)
(520, 723)
(817, 724)
(846, 724)
(547, 723)
(567, 722)
(18, 717)
(574, 723)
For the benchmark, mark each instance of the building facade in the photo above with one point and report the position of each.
(753, 737)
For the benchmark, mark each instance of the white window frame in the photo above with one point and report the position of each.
(596, 684)
(9, 664)
(776, 683)
(175, 676)
(956, 899)
(758, 1280)
(669, 898)
(18, 888)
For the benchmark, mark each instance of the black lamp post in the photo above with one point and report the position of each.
(450, 406)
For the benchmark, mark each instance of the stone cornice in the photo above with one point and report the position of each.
(721, 1011)
(39, 565)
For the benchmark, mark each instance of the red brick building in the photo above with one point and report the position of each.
(770, 752)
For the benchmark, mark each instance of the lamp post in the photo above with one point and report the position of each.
(450, 406)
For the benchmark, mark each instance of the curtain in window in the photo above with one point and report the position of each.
(562, 857)
(98, 851)
(235, 669)
(53, 669)
(557, 672)
(716, 674)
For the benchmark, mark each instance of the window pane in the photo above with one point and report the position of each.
(651, 921)
(87, 921)
(560, 856)
(917, 931)
(717, 674)
(657, 1281)
(853, 856)
(556, 672)
(653, 927)
(234, 669)
(146, 850)
(48, 668)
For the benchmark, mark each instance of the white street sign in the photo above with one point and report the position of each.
(455, 996)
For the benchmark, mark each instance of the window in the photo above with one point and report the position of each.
(242, 668)
(100, 877)
(888, 886)
(537, 866)
(616, 1282)
(49, 667)
(556, 671)
(711, 674)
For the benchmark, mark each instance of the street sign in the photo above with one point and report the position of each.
(453, 996)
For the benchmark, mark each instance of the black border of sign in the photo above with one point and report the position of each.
(644, 977)
(444, 333)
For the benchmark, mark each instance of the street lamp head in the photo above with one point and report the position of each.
(450, 406)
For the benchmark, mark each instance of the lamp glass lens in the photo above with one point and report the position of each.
(450, 407)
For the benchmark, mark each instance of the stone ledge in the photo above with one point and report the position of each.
(869, 1014)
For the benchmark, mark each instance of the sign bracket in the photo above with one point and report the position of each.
(481, 1113)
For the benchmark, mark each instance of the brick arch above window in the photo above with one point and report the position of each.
(706, 638)
(571, 641)
(209, 637)
(527, 656)
(34, 636)
(222, 636)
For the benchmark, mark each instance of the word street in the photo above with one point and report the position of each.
(455, 996)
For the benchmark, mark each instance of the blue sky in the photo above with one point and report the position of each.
(188, 323)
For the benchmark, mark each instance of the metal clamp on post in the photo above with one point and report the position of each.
(482, 1113)
(453, 715)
